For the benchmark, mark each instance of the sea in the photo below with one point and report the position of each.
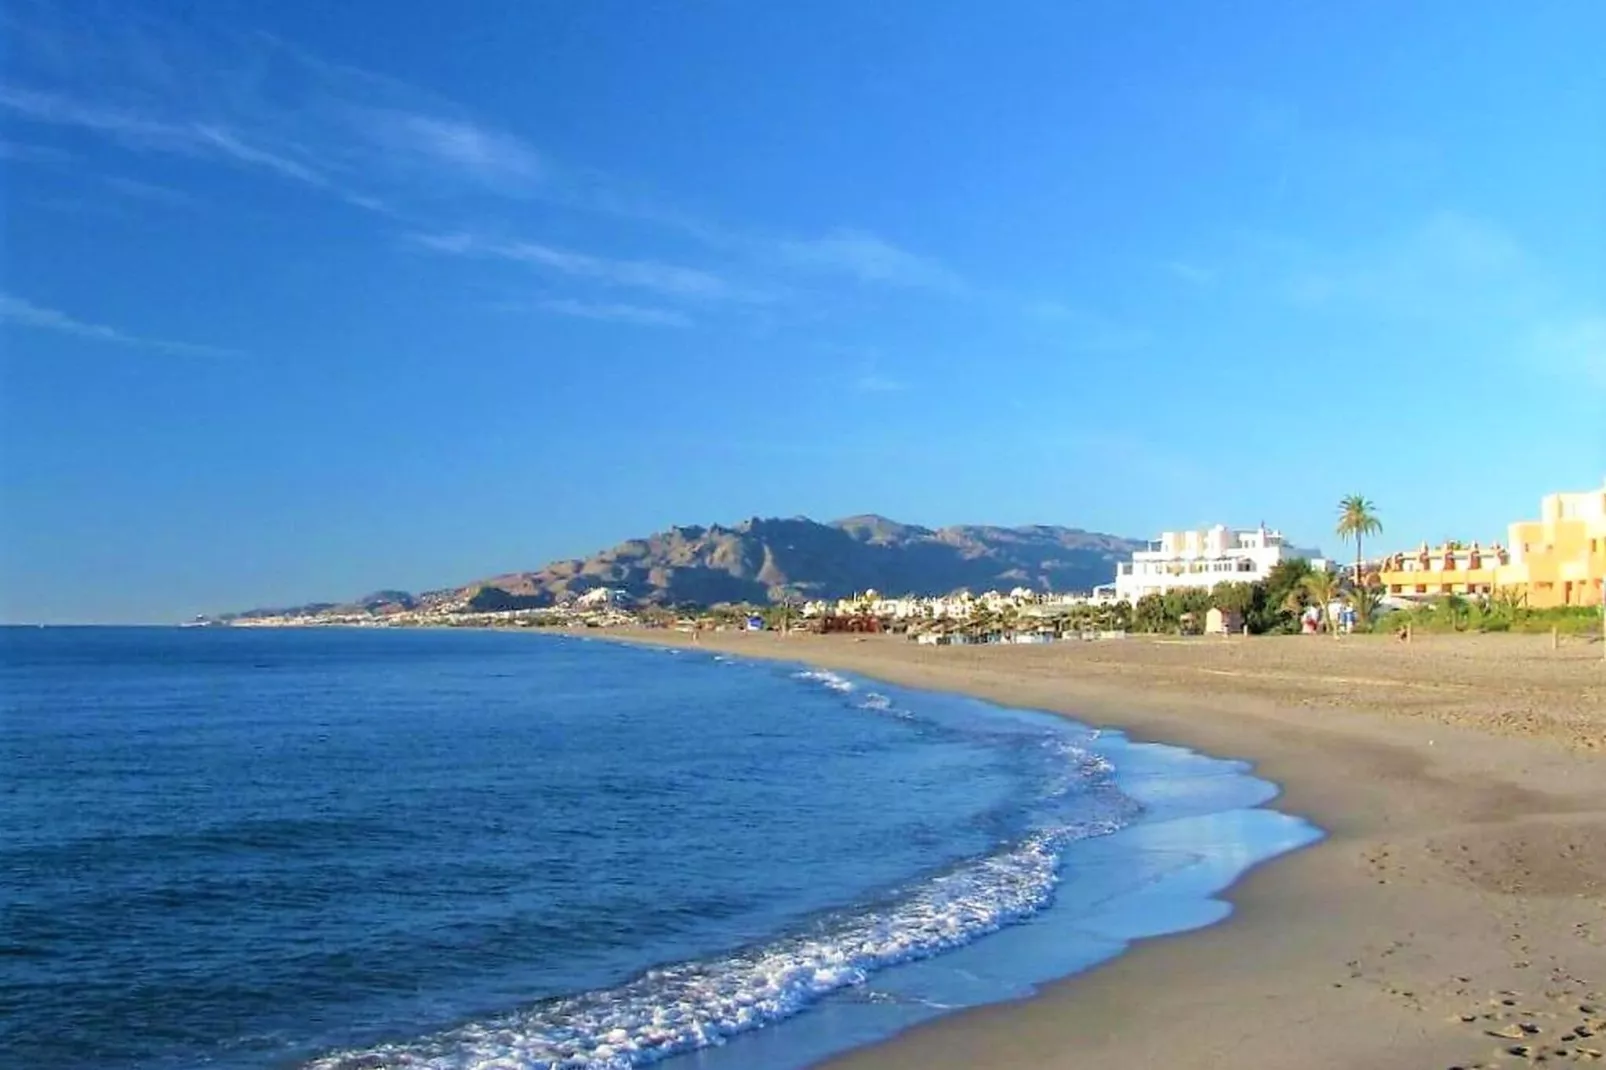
(463, 850)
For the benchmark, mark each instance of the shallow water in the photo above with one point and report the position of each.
(463, 849)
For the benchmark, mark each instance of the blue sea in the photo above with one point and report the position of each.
(363, 850)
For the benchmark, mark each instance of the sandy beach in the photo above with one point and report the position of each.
(1454, 917)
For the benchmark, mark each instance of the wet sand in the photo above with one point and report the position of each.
(1455, 916)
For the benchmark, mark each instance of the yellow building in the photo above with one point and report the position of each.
(1560, 559)
(1557, 560)
(1445, 570)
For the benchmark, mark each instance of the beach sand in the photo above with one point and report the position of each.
(1454, 917)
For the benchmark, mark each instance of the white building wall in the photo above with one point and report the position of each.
(1204, 558)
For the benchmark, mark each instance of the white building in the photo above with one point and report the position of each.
(1204, 558)
(603, 598)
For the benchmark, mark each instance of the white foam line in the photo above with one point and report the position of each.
(828, 678)
(691, 1005)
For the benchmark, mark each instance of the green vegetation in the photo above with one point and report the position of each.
(1453, 613)
(1268, 607)
(780, 617)
(1320, 589)
(1366, 599)
(1235, 597)
(1273, 606)
(495, 600)
(1279, 598)
(1149, 615)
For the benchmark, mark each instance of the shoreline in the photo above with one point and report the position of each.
(1458, 896)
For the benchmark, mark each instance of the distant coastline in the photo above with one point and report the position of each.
(776, 561)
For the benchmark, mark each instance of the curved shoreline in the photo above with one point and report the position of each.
(1462, 869)
(1204, 821)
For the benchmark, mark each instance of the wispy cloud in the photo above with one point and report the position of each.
(867, 258)
(149, 191)
(1088, 331)
(208, 94)
(458, 147)
(253, 101)
(25, 313)
(669, 279)
(1191, 273)
(615, 312)
(143, 131)
(54, 108)
(226, 144)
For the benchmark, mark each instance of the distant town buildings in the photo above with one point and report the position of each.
(959, 606)
(1443, 570)
(1204, 558)
(1557, 560)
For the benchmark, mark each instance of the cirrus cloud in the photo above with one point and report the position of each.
(25, 313)
(868, 258)
(670, 279)
(615, 312)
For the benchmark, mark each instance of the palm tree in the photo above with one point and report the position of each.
(1321, 588)
(1365, 598)
(781, 615)
(1357, 518)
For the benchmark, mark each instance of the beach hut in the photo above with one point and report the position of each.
(1223, 622)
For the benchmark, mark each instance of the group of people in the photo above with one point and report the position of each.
(1344, 619)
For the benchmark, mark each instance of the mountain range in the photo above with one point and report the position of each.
(766, 560)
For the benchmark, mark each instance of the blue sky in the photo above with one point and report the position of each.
(306, 299)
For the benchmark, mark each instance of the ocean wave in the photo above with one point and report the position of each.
(874, 701)
(1074, 769)
(827, 678)
(691, 1005)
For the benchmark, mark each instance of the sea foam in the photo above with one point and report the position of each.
(684, 1006)
(690, 1005)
